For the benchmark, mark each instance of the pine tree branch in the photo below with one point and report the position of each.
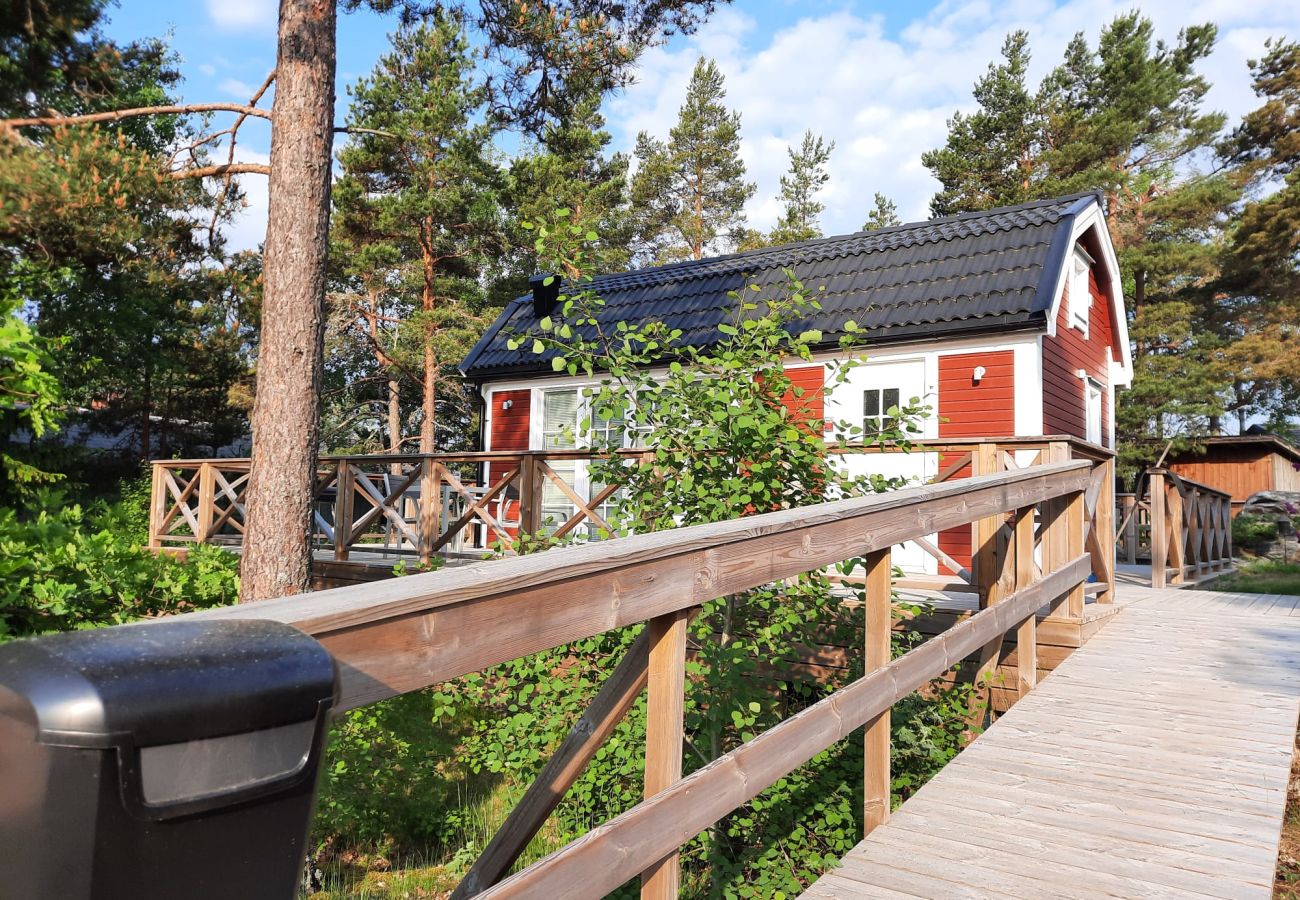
(352, 129)
(119, 114)
(223, 169)
(220, 203)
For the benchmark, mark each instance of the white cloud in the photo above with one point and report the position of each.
(233, 87)
(885, 99)
(239, 15)
(248, 228)
(207, 69)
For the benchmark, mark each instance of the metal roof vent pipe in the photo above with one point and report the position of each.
(546, 290)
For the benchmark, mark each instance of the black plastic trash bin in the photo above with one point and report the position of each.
(170, 759)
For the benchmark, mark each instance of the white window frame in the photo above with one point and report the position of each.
(883, 421)
(577, 472)
(1093, 389)
(575, 437)
(1080, 292)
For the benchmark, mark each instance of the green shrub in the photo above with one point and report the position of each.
(64, 566)
(391, 779)
(1253, 532)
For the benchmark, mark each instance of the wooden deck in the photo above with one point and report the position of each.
(1152, 763)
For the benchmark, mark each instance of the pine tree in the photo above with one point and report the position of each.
(1258, 301)
(1127, 120)
(799, 189)
(568, 169)
(1177, 384)
(883, 215)
(418, 203)
(1124, 119)
(988, 159)
(105, 256)
(691, 192)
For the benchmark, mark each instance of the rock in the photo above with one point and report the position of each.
(1272, 504)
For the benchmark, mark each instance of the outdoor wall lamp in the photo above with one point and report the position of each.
(978, 374)
(507, 404)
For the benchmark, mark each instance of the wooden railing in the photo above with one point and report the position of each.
(461, 504)
(401, 505)
(1182, 526)
(404, 634)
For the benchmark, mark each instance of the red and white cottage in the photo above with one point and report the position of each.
(1006, 322)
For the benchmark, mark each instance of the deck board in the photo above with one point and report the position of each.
(1152, 763)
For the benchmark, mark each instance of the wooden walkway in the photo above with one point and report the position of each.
(1152, 763)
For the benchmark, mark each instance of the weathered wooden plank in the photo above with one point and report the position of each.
(1154, 761)
(1119, 828)
(1058, 848)
(1027, 634)
(665, 734)
(878, 591)
(1056, 880)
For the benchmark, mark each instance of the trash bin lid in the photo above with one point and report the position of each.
(166, 681)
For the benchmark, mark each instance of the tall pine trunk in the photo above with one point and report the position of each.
(429, 402)
(394, 415)
(286, 425)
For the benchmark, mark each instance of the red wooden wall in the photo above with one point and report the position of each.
(811, 406)
(967, 409)
(1068, 351)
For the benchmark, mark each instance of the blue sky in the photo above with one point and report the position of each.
(880, 79)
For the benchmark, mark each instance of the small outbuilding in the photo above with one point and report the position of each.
(1241, 465)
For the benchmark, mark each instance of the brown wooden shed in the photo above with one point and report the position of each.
(1241, 465)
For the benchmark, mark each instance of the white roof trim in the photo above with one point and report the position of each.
(1121, 373)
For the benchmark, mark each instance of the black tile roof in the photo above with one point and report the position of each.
(975, 272)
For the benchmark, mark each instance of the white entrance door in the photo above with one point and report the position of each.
(864, 399)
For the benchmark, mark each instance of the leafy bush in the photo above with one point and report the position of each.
(1253, 532)
(64, 566)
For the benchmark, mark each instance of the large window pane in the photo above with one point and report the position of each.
(559, 420)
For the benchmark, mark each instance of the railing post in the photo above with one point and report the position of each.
(1177, 512)
(157, 506)
(530, 495)
(1063, 540)
(1130, 529)
(207, 502)
(1103, 527)
(1027, 632)
(878, 594)
(665, 734)
(987, 563)
(1158, 528)
(1226, 526)
(345, 494)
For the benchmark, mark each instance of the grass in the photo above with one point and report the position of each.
(1260, 576)
(361, 875)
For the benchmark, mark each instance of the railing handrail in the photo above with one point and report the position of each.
(1184, 481)
(1083, 449)
(403, 634)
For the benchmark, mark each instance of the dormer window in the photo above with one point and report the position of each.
(1080, 296)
